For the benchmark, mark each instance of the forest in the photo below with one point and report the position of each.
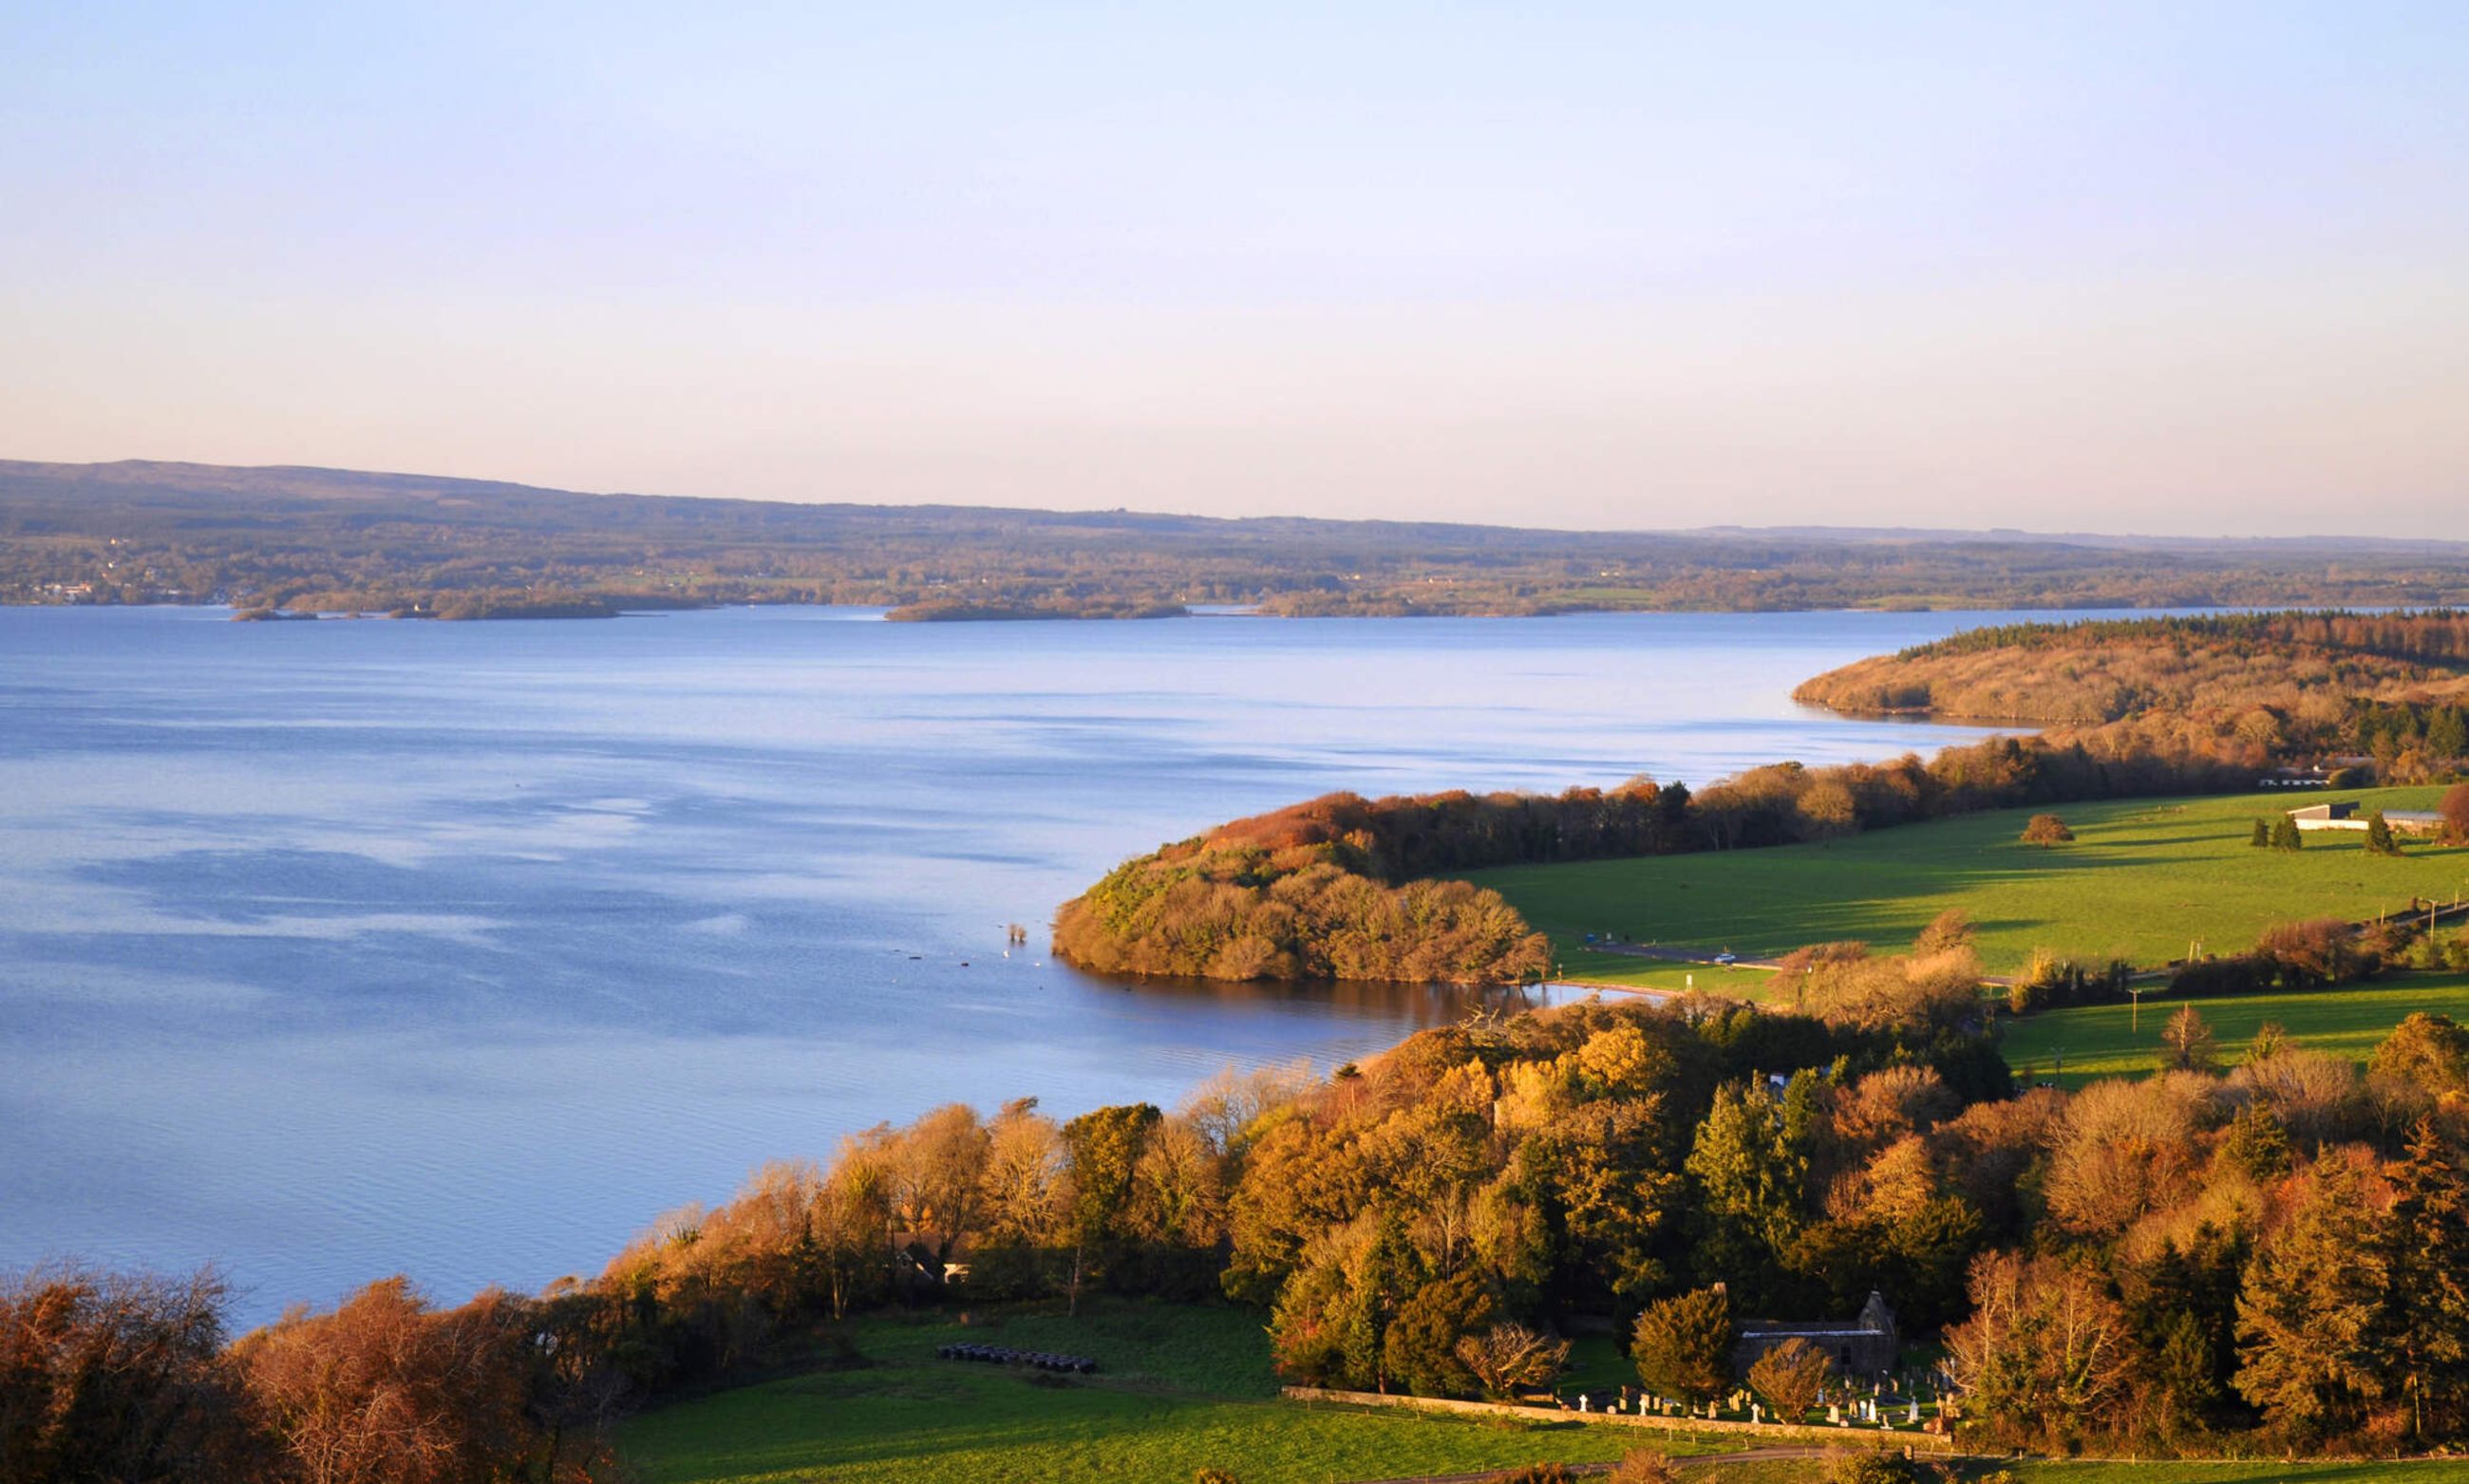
(2388, 687)
(333, 540)
(2199, 1261)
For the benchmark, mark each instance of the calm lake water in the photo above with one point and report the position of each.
(331, 951)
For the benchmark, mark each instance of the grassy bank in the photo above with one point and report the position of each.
(1180, 1387)
(2142, 879)
(2444, 1470)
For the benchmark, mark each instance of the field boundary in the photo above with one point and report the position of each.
(1700, 1426)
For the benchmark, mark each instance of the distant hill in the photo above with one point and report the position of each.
(314, 540)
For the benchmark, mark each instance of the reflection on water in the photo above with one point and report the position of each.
(329, 950)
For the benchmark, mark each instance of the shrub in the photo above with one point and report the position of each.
(2241, 974)
(1644, 1465)
(1866, 1468)
(2046, 830)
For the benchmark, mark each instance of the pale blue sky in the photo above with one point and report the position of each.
(2177, 268)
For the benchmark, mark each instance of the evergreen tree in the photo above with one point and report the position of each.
(1683, 1345)
(2257, 1143)
(2427, 1249)
(2286, 835)
(1389, 1272)
(2311, 1323)
(2447, 733)
(2262, 839)
(2379, 836)
(1750, 1164)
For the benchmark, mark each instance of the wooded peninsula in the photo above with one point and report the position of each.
(1343, 887)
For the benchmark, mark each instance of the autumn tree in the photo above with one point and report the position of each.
(1103, 1153)
(1683, 1345)
(2048, 1355)
(2189, 1043)
(2455, 810)
(2426, 1052)
(1790, 1377)
(937, 1169)
(118, 1377)
(386, 1390)
(1509, 1358)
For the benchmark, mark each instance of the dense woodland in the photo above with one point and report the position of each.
(2392, 688)
(330, 540)
(2271, 1257)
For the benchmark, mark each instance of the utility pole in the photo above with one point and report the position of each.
(2134, 1010)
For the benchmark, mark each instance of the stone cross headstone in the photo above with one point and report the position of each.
(1757, 1413)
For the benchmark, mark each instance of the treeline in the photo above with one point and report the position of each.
(1341, 886)
(344, 542)
(962, 610)
(120, 1376)
(2433, 637)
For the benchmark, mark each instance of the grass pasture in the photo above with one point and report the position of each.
(1180, 1387)
(2118, 1040)
(1184, 1387)
(2143, 878)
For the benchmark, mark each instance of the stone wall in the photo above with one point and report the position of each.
(1750, 1434)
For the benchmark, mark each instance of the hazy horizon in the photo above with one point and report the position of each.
(2199, 273)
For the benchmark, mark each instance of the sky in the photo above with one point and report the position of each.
(2184, 268)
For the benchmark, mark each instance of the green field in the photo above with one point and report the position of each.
(2121, 1040)
(2143, 879)
(1184, 1387)
(1180, 1387)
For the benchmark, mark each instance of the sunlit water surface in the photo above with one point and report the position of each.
(330, 951)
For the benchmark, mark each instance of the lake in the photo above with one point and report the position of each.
(330, 951)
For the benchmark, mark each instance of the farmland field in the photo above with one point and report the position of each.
(1181, 1388)
(2120, 1041)
(2143, 879)
(2432, 1471)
